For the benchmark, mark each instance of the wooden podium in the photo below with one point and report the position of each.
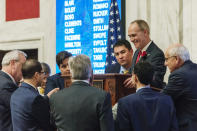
(112, 83)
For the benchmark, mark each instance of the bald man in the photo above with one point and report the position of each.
(147, 50)
(182, 86)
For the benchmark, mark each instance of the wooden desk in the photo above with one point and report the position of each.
(112, 83)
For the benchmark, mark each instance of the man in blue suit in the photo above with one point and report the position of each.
(57, 81)
(10, 76)
(182, 86)
(123, 53)
(146, 110)
(30, 111)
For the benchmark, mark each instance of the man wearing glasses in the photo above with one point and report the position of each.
(182, 86)
(30, 111)
(148, 51)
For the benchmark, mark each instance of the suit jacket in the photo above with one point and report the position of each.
(113, 69)
(182, 87)
(146, 110)
(155, 57)
(7, 87)
(82, 108)
(30, 111)
(54, 81)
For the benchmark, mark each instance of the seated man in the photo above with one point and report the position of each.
(146, 110)
(123, 53)
(81, 107)
(56, 81)
(30, 111)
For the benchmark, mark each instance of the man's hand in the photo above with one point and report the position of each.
(128, 83)
(52, 91)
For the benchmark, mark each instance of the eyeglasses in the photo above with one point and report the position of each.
(42, 72)
(166, 59)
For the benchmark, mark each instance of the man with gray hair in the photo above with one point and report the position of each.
(182, 86)
(81, 107)
(10, 76)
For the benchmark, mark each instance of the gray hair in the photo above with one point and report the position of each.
(12, 55)
(180, 51)
(80, 67)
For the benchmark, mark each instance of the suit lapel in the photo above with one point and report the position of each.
(5, 75)
(150, 48)
(61, 81)
(148, 51)
(134, 60)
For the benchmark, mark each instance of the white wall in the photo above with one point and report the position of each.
(31, 33)
(171, 21)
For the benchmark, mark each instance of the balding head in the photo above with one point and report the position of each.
(138, 33)
(178, 50)
(175, 56)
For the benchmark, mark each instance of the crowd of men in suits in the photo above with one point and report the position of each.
(82, 107)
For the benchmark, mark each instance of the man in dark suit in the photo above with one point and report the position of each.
(81, 107)
(30, 111)
(147, 50)
(123, 53)
(57, 81)
(146, 110)
(182, 86)
(10, 76)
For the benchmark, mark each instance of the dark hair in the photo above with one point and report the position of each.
(30, 67)
(46, 68)
(121, 43)
(144, 71)
(61, 56)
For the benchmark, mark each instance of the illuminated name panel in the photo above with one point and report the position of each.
(82, 28)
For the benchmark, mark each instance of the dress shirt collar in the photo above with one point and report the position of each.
(31, 85)
(86, 81)
(147, 86)
(145, 48)
(122, 69)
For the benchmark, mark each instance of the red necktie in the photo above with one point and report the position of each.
(138, 57)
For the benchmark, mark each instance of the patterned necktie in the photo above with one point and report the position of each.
(138, 57)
